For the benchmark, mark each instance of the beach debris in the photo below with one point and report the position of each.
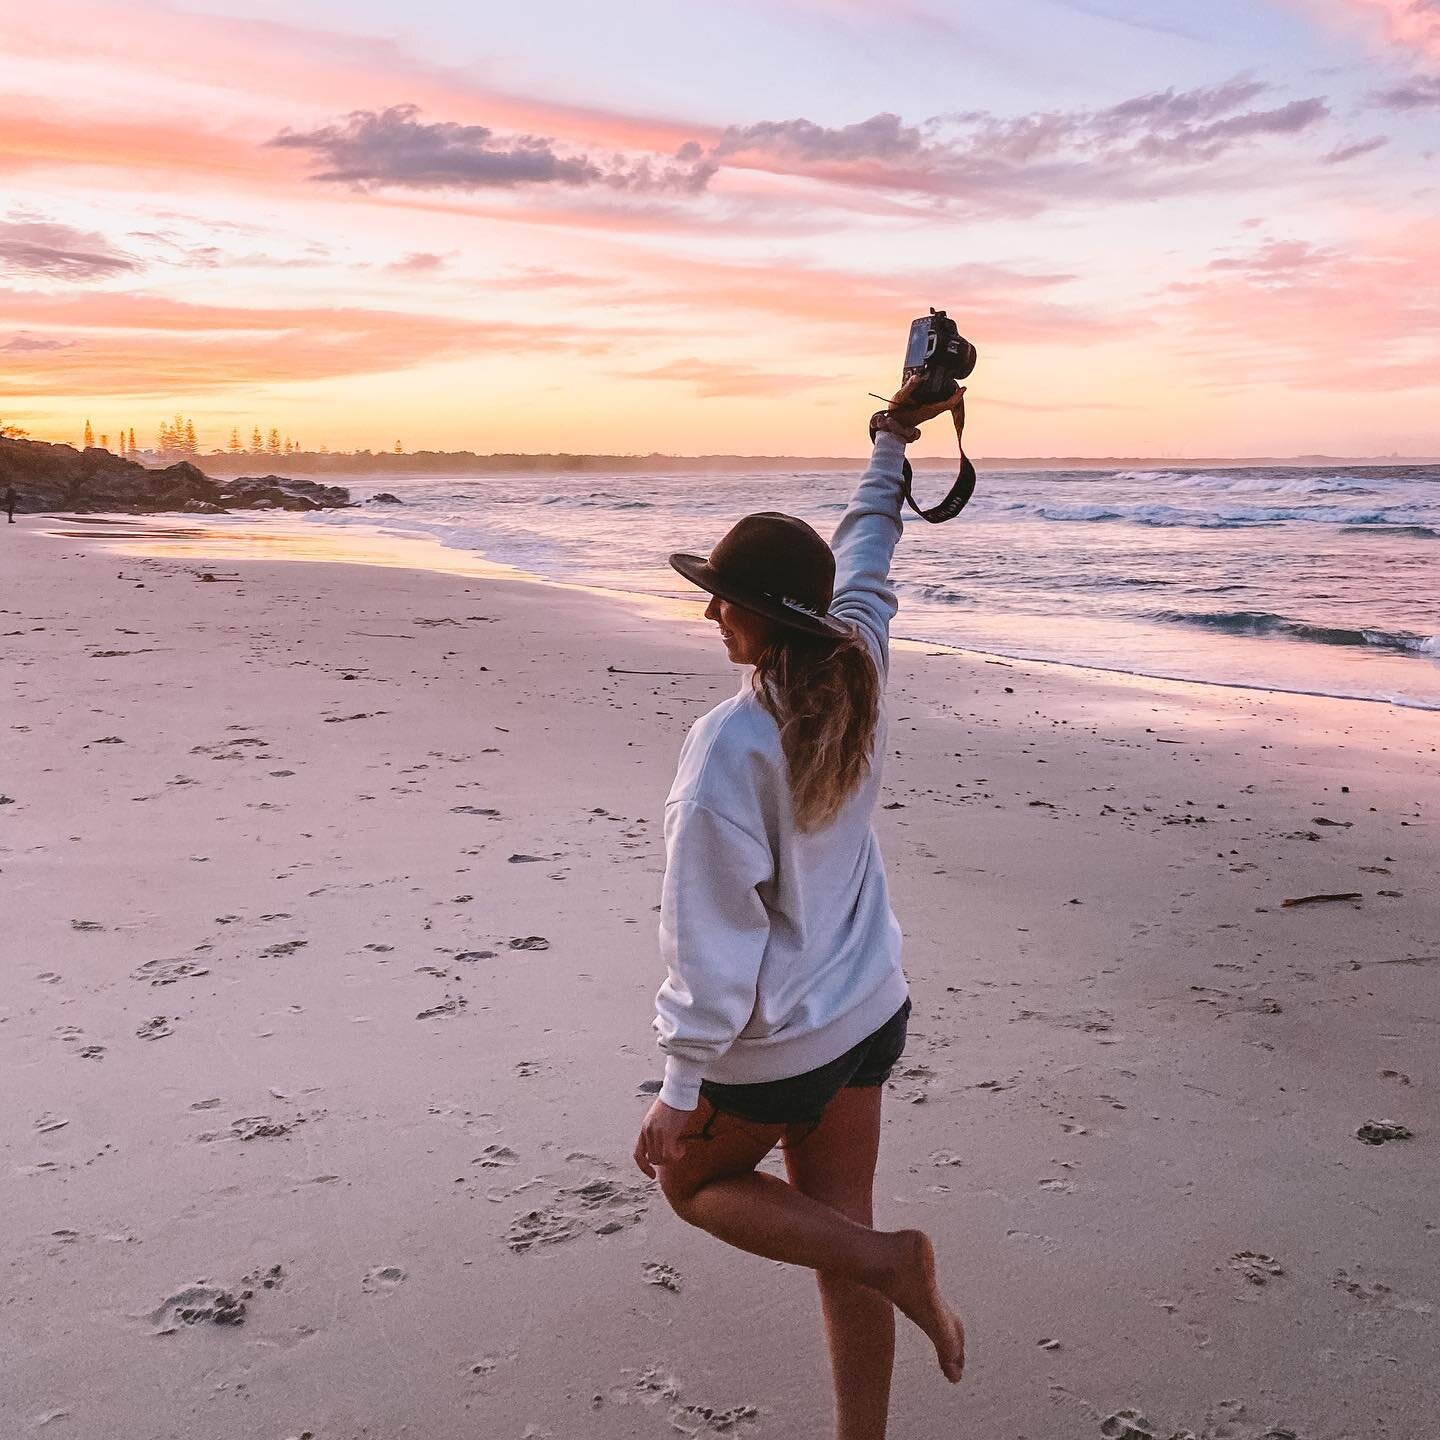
(474, 810)
(359, 715)
(651, 1087)
(1321, 899)
(530, 942)
(526, 859)
(1377, 1132)
(1046, 1343)
(47, 1123)
(686, 674)
(283, 947)
(1256, 1267)
(194, 1305)
(1325, 820)
(156, 1028)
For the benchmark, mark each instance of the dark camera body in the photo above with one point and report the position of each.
(938, 352)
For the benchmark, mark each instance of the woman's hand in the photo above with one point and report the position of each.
(914, 415)
(662, 1136)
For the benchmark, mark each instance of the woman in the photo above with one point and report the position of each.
(785, 1006)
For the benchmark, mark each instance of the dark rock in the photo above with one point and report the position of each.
(275, 492)
(386, 498)
(62, 478)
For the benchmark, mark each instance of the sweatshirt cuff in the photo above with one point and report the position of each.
(888, 447)
(681, 1090)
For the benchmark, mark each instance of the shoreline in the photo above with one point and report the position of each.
(372, 543)
(330, 957)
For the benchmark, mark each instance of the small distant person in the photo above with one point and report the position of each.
(10, 498)
(785, 1007)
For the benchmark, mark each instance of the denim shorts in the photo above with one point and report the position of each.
(801, 1099)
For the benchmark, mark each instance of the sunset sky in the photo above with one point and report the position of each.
(1170, 228)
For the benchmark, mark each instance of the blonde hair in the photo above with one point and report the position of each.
(825, 697)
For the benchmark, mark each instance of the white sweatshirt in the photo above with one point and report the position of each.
(782, 950)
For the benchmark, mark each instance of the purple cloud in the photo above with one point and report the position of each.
(52, 251)
(394, 147)
(28, 344)
(1419, 92)
(1025, 164)
(1353, 152)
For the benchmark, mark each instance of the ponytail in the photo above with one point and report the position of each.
(825, 697)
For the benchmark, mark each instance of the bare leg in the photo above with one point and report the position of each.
(835, 1164)
(714, 1186)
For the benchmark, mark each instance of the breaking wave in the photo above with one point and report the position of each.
(1263, 622)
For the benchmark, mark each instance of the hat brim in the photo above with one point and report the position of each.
(698, 571)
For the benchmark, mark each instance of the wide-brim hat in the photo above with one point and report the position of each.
(776, 566)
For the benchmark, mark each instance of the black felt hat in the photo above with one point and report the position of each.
(776, 566)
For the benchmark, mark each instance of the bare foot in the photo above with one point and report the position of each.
(911, 1284)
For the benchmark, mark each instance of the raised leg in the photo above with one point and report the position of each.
(715, 1186)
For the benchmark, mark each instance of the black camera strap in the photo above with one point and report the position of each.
(953, 503)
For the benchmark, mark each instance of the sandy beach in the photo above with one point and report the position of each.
(328, 949)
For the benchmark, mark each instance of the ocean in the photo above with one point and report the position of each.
(1320, 580)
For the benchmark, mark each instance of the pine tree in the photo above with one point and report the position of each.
(192, 445)
(257, 442)
(89, 435)
(273, 444)
(132, 441)
(398, 450)
(104, 442)
(234, 447)
(164, 443)
(287, 444)
(122, 442)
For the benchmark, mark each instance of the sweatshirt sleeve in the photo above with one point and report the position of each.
(863, 544)
(713, 931)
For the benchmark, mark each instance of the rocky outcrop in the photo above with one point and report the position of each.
(59, 477)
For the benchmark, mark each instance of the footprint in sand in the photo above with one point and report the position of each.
(383, 1280)
(600, 1206)
(196, 1304)
(1257, 1268)
(167, 972)
(258, 1127)
(665, 1276)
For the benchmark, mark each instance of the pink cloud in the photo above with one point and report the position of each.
(1333, 318)
(118, 344)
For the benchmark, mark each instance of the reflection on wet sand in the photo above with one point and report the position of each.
(274, 538)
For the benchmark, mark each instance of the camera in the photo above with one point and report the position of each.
(940, 353)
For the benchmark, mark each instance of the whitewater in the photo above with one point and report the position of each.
(1320, 580)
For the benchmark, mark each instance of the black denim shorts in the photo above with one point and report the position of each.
(801, 1099)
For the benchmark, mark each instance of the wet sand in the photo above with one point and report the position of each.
(328, 952)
